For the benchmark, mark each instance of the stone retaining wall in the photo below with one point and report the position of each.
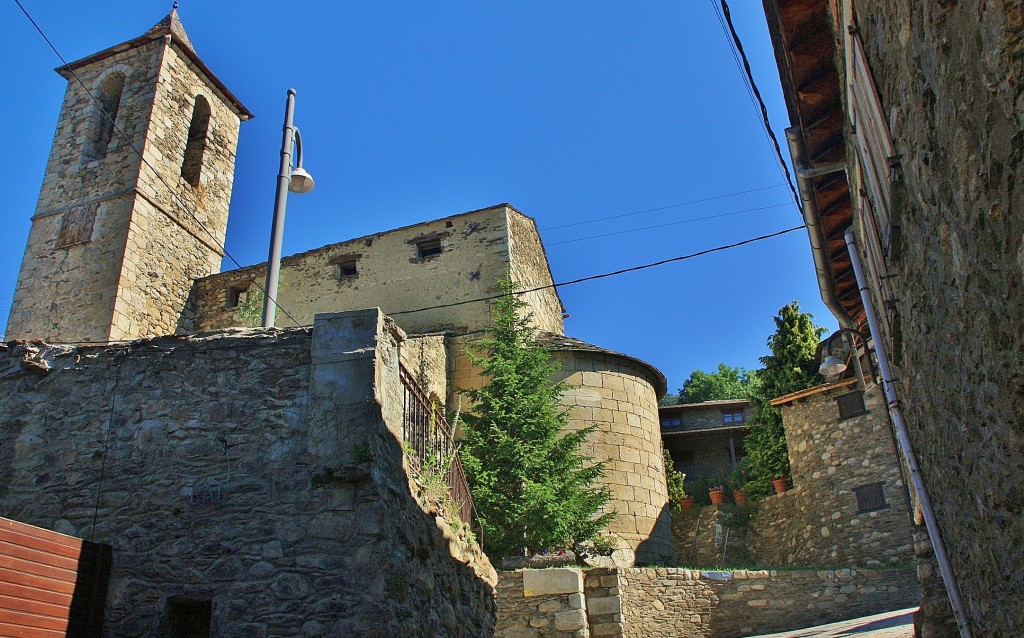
(257, 472)
(541, 603)
(648, 602)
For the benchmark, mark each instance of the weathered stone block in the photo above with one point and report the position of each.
(540, 582)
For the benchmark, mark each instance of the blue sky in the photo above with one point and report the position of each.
(570, 111)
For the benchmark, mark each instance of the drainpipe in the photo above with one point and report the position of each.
(903, 439)
(810, 213)
(819, 251)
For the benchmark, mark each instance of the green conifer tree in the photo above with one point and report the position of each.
(532, 488)
(791, 366)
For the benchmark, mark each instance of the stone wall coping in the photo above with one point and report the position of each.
(539, 582)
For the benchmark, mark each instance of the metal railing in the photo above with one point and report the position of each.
(431, 439)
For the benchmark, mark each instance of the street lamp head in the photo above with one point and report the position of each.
(831, 366)
(301, 181)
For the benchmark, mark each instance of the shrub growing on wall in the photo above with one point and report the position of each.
(530, 484)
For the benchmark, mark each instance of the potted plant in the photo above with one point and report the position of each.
(738, 479)
(780, 483)
(717, 494)
(676, 482)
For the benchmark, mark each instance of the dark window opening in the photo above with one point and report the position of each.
(672, 422)
(107, 104)
(851, 404)
(732, 418)
(188, 618)
(870, 498)
(428, 248)
(195, 148)
(346, 268)
(237, 295)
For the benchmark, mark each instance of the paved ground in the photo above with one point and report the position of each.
(894, 624)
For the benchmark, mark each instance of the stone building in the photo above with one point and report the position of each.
(705, 439)
(124, 248)
(906, 137)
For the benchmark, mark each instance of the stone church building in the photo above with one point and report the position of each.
(239, 475)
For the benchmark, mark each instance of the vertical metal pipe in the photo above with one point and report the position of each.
(280, 201)
(903, 438)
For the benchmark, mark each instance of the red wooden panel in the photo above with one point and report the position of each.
(46, 595)
(62, 585)
(10, 603)
(40, 556)
(21, 631)
(26, 619)
(53, 546)
(39, 532)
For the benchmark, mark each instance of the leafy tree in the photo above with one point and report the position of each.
(726, 383)
(531, 486)
(791, 366)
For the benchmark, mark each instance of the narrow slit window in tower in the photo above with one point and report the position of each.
(192, 165)
(107, 105)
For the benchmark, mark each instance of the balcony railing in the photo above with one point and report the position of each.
(428, 434)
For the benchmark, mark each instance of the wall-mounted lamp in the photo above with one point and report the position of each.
(832, 365)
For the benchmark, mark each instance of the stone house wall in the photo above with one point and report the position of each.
(818, 522)
(475, 250)
(259, 470)
(951, 84)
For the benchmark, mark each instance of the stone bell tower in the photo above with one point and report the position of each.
(117, 239)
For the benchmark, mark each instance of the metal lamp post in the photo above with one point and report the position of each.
(296, 180)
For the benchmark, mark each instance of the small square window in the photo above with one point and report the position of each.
(428, 247)
(346, 268)
(851, 404)
(870, 498)
(237, 295)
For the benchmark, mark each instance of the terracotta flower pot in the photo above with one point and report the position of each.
(717, 496)
(781, 484)
(686, 503)
(739, 497)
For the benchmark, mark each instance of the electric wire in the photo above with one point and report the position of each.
(128, 142)
(747, 75)
(685, 221)
(106, 445)
(615, 273)
(651, 210)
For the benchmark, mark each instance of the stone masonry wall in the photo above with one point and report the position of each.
(699, 543)
(57, 297)
(475, 251)
(259, 470)
(817, 522)
(128, 271)
(541, 603)
(617, 395)
(705, 604)
(952, 85)
(176, 237)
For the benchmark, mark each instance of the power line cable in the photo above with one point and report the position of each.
(651, 210)
(747, 75)
(615, 273)
(571, 282)
(121, 134)
(685, 221)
